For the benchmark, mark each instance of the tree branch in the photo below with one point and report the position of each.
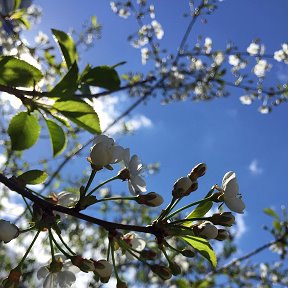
(46, 205)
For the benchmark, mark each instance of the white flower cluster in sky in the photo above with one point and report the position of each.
(282, 54)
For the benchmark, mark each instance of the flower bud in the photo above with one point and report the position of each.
(206, 230)
(188, 252)
(121, 284)
(162, 271)
(148, 254)
(222, 235)
(175, 268)
(83, 264)
(181, 186)
(8, 231)
(103, 268)
(12, 281)
(192, 188)
(151, 199)
(223, 219)
(198, 171)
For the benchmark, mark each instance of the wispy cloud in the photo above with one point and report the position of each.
(255, 168)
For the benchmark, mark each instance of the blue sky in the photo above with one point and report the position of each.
(224, 134)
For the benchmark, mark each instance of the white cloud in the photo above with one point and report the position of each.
(254, 167)
(241, 228)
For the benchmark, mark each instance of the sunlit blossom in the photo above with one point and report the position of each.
(231, 193)
(136, 183)
(65, 277)
(261, 68)
(159, 33)
(135, 242)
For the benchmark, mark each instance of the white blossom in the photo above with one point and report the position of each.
(67, 199)
(159, 33)
(253, 49)
(8, 231)
(105, 152)
(234, 60)
(231, 191)
(261, 68)
(208, 45)
(219, 58)
(246, 99)
(282, 55)
(136, 183)
(135, 242)
(144, 55)
(41, 38)
(63, 278)
(264, 109)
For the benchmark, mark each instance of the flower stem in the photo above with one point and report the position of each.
(92, 175)
(51, 245)
(103, 183)
(29, 249)
(64, 243)
(190, 205)
(58, 246)
(27, 205)
(113, 261)
(117, 198)
(167, 209)
(189, 220)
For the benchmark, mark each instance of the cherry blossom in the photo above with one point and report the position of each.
(135, 242)
(105, 152)
(231, 191)
(261, 68)
(136, 183)
(63, 277)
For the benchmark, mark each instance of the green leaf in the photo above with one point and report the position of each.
(57, 137)
(18, 73)
(80, 113)
(33, 177)
(199, 211)
(67, 46)
(67, 85)
(203, 247)
(23, 130)
(271, 213)
(102, 76)
(16, 4)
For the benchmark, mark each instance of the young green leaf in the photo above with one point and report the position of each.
(80, 113)
(271, 213)
(199, 211)
(102, 76)
(203, 247)
(57, 137)
(67, 85)
(18, 73)
(24, 131)
(33, 177)
(67, 46)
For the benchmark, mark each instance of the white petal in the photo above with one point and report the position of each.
(126, 157)
(131, 188)
(235, 204)
(138, 244)
(67, 198)
(139, 182)
(118, 154)
(133, 164)
(42, 272)
(104, 139)
(50, 281)
(230, 185)
(66, 279)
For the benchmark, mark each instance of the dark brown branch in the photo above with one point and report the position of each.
(46, 205)
(20, 92)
